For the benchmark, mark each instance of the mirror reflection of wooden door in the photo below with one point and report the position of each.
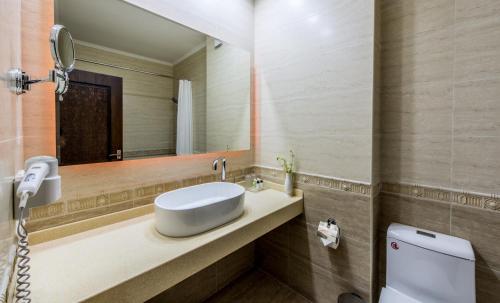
(89, 119)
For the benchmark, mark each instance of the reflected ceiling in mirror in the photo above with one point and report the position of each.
(145, 86)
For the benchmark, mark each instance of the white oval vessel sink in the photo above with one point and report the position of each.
(195, 209)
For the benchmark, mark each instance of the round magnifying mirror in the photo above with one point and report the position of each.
(62, 48)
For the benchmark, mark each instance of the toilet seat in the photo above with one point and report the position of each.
(390, 295)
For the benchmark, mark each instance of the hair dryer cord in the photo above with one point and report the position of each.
(22, 287)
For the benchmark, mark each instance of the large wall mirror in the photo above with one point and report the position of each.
(144, 86)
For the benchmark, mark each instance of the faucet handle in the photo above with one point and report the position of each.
(215, 164)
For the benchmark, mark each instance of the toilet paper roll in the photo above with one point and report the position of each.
(329, 233)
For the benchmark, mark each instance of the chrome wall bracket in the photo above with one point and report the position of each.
(19, 82)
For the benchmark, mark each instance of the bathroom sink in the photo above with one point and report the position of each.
(195, 209)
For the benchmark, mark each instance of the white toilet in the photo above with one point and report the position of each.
(427, 267)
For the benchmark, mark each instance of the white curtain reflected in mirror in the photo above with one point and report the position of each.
(184, 144)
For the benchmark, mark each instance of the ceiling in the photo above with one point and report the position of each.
(122, 26)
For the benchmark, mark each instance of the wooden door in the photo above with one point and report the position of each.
(89, 119)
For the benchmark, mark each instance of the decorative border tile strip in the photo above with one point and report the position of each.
(485, 201)
(325, 182)
(72, 210)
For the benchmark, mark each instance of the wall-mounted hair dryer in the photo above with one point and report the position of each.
(39, 184)
(40, 180)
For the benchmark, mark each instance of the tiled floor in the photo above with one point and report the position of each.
(257, 287)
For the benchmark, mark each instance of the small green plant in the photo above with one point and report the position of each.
(287, 164)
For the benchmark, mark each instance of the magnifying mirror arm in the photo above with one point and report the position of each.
(20, 82)
(63, 53)
(50, 78)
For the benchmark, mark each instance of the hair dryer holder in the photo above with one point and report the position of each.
(50, 189)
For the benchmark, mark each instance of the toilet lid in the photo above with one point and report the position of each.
(389, 295)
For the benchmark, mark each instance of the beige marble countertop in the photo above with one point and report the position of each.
(130, 261)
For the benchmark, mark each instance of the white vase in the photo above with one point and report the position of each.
(289, 184)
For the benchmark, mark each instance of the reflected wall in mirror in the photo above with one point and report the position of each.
(145, 86)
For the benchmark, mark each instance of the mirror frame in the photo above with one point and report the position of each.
(54, 47)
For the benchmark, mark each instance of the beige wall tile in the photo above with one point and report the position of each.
(475, 164)
(51, 221)
(401, 19)
(149, 190)
(232, 266)
(421, 159)
(487, 281)
(477, 108)
(272, 252)
(375, 247)
(39, 127)
(49, 210)
(121, 196)
(144, 201)
(440, 71)
(477, 40)
(422, 57)
(319, 284)
(279, 236)
(482, 228)
(294, 254)
(194, 289)
(351, 260)
(208, 281)
(81, 204)
(417, 91)
(421, 213)
(320, 153)
(315, 85)
(257, 286)
(92, 179)
(10, 124)
(418, 108)
(321, 204)
(381, 262)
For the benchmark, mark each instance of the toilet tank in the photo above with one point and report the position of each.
(430, 267)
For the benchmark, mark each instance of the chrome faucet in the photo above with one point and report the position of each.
(214, 166)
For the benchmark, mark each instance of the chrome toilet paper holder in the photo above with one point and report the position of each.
(329, 233)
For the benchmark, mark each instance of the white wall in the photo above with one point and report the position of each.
(314, 84)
